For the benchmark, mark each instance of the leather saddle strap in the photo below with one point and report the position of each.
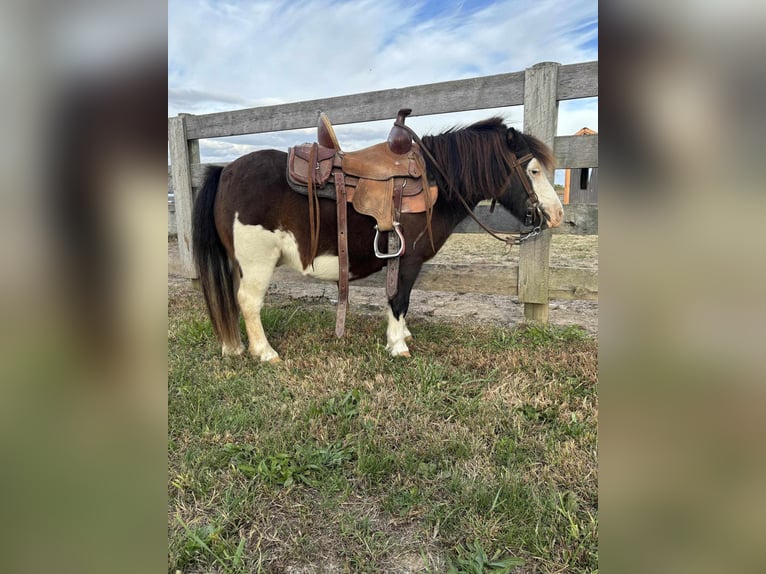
(313, 203)
(392, 266)
(340, 201)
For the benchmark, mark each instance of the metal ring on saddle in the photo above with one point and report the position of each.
(380, 255)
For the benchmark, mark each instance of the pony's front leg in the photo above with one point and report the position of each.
(407, 334)
(396, 335)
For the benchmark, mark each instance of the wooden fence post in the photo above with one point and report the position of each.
(540, 120)
(182, 153)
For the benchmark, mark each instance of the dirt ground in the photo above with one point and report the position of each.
(566, 250)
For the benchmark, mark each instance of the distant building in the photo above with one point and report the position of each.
(581, 185)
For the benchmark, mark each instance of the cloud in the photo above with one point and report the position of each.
(298, 51)
(230, 55)
(204, 101)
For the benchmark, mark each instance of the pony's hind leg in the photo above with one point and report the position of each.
(232, 348)
(257, 251)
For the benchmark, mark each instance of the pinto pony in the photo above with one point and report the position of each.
(247, 220)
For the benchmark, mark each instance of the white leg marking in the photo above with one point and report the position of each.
(396, 335)
(407, 334)
(549, 199)
(257, 251)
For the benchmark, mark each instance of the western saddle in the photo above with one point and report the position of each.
(382, 181)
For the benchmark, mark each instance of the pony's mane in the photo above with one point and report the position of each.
(476, 158)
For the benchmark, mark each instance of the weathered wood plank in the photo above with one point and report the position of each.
(576, 151)
(540, 120)
(578, 81)
(580, 219)
(194, 157)
(573, 283)
(566, 283)
(462, 278)
(182, 190)
(458, 95)
(575, 81)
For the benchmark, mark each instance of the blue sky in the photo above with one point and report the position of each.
(225, 55)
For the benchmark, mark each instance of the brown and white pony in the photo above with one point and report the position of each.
(247, 221)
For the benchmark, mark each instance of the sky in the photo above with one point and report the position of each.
(227, 55)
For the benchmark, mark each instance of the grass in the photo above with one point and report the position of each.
(478, 454)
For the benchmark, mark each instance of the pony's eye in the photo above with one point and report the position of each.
(534, 171)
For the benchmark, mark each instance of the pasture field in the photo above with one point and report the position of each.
(478, 454)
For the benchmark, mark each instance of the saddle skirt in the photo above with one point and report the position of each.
(372, 177)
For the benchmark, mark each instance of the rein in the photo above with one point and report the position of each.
(532, 211)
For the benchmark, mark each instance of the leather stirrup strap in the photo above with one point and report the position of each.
(340, 199)
(392, 265)
(313, 204)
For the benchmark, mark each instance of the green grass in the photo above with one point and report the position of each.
(478, 454)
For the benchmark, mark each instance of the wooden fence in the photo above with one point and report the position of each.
(539, 89)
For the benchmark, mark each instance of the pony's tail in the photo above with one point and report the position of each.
(213, 265)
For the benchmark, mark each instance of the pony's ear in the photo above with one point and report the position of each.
(511, 137)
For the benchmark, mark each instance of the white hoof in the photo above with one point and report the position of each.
(226, 350)
(267, 355)
(398, 350)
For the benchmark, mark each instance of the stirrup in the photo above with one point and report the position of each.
(380, 255)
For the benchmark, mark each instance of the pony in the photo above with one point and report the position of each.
(247, 220)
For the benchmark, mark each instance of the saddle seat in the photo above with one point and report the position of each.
(399, 140)
(326, 133)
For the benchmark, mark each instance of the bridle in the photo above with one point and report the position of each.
(533, 213)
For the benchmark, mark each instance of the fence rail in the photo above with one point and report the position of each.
(538, 88)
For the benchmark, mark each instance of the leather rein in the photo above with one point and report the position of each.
(533, 210)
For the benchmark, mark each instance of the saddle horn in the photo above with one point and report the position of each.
(399, 139)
